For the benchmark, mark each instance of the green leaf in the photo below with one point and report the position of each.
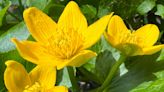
(16, 2)
(159, 74)
(140, 69)
(103, 11)
(146, 6)
(85, 75)
(3, 11)
(55, 11)
(94, 3)
(127, 9)
(152, 86)
(124, 8)
(100, 47)
(104, 8)
(40, 4)
(64, 78)
(103, 45)
(19, 31)
(104, 63)
(161, 56)
(90, 65)
(89, 11)
(160, 10)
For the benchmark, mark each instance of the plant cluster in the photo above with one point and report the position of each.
(81, 46)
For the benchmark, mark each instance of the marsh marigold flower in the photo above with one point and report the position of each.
(63, 43)
(40, 79)
(129, 42)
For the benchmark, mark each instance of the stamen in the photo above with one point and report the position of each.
(131, 38)
(65, 43)
(34, 88)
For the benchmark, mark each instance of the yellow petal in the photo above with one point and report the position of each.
(45, 75)
(117, 30)
(148, 34)
(81, 58)
(39, 24)
(152, 49)
(72, 18)
(28, 50)
(78, 59)
(58, 89)
(15, 77)
(35, 53)
(95, 31)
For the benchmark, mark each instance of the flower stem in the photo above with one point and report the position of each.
(112, 72)
(75, 86)
(21, 6)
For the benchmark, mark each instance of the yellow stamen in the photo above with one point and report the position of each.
(130, 38)
(65, 43)
(34, 88)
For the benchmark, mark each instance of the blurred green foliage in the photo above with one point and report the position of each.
(135, 14)
(152, 86)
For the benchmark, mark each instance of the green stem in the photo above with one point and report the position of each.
(75, 86)
(21, 6)
(112, 73)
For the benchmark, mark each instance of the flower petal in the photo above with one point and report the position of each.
(26, 49)
(31, 51)
(81, 58)
(78, 59)
(58, 89)
(15, 77)
(116, 30)
(152, 49)
(72, 18)
(35, 53)
(95, 31)
(39, 24)
(149, 35)
(45, 75)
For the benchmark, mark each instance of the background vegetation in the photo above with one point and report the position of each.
(138, 70)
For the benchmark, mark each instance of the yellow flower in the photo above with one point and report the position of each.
(40, 79)
(129, 42)
(60, 44)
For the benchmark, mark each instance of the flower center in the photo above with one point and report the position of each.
(34, 88)
(131, 38)
(130, 44)
(65, 43)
